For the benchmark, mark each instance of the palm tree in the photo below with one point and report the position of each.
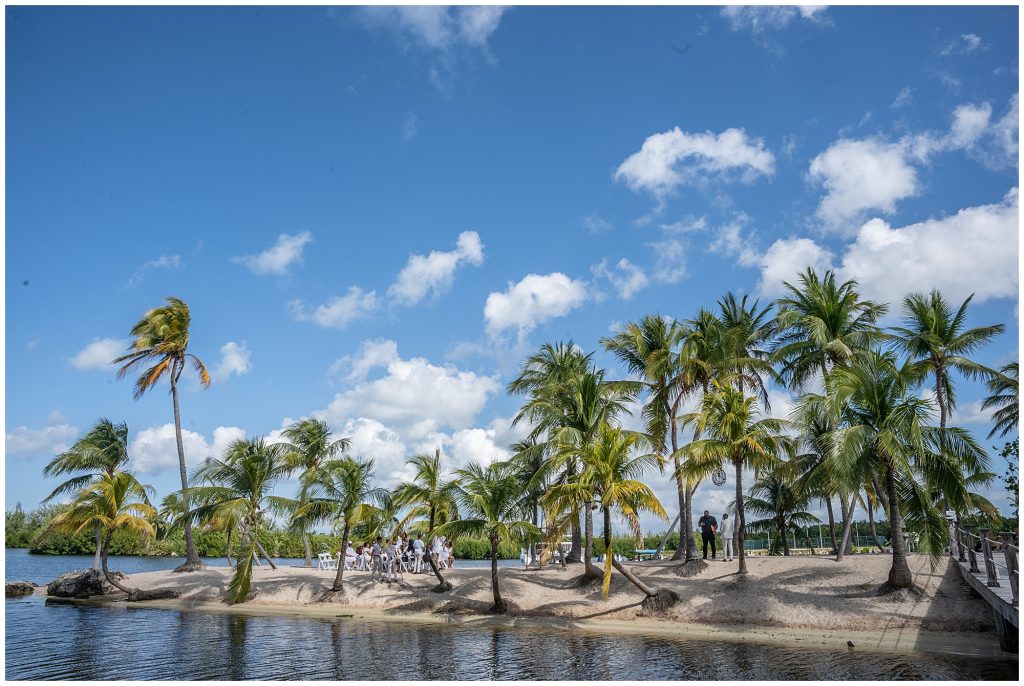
(746, 335)
(933, 334)
(431, 496)
(1004, 387)
(310, 445)
(528, 457)
(779, 501)
(884, 431)
(101, 451)
(240, 488)
(492, 500)
(161, 339)
(113, 501)
(649, 349)
(341, 492)
(736, 434)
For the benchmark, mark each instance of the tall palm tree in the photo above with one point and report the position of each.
(933, 334)
(746, 336)
(776, 498)
(240, 488)
(113, 501)
(737, 434)
(1004, 388)
(430, 496)
(884, 430)
(341, 492)
(649, 349)
(311, 444)
(101, 451)
(528, 458)
(492, 500)
(161, 340)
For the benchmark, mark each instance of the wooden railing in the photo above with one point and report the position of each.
(965, 546)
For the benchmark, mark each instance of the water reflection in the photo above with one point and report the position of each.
(140, 643)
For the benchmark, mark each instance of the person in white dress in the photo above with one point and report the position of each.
(350, 556)
(726, 529)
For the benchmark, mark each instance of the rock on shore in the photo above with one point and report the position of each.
(82, 583)
(16, 589)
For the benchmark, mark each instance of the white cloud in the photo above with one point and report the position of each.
(667, 160)
(339, 310)
(760, 18)
(372, 354)
(434, 28)
(162, 262)
(154, 450)
(669, 260)
(595, 224)
(234, 359)
(904, 98)
(964, 44)
(434, 273)
(410, 127)
(625, 277)
(533, 300)
(277, 259)
(969, 123)
(785, 259)
(48, 441)
(99, 353)
(730, 240)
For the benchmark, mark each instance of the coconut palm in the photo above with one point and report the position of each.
(491, 499)
(310, 444)
(101, 451)
(736, 434)
(885, 431)
(746, 335)
(1004, 387)
(341, 492)
(430, 496)
(239, 488)
(933, 334)
(649, 349)
(528, 459)
(113, 501)
(780, 502)
(160, 339)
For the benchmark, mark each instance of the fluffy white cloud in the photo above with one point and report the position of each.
(435, 27)
(154, 449)
(785, 259)
(969, 123)
(277, 259)
(625, 277)
(964, 44)
(759, 18)
(533, 300)
(48, 441)
(99, 353)
(670, 159)
(372, 354)
(861, 175)
(414, 396)
(234, 359)
(339, 310)
(434, 273)
(162, 262)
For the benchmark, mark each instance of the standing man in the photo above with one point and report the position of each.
(417, 550)
(727, 531)
(376, 561)
(708, 525)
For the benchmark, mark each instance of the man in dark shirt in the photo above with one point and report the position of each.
(708, 525)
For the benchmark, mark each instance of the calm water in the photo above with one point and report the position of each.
(60, 641)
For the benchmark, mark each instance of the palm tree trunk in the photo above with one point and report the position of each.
(871, 522)
(691, 544)
(442, 584)
(647, 590)
(228, 551)
(192, 562)
(309, 554)
(339, 585)
(741, 520)
(111, 579)
(499, 604)
(589, 570)
(259, 546)
(782, 535)
(831, 524)
(680, 552)
(843, 547)
(899, 574)
(606, 583)
(99, 546)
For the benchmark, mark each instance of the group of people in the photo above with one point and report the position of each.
(708, 526)
(387, 559)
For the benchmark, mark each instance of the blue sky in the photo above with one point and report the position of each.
(374, 214)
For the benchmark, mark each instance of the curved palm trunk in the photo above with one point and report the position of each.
(899, 574)
(99, 546)
(228, 550)
(499, 604)
(590, 570)
(111, 579)
(871, 522)
(442, 584)
(647, 590)
(844, 546)
(831, 525)
(309, 555)
(606, 583)
(741, 519)
(192, 562)
(339, 585)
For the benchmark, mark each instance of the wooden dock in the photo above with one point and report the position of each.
(990, 567)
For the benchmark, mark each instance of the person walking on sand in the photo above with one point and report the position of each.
(708, 525)
(726, 530)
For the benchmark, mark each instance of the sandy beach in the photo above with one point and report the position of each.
(798, 599)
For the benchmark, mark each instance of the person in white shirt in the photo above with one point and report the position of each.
(417, 551)
(376, 554)
(392, 561)
(437, 549)
(726, 529)
(449, 555)
(350, 555)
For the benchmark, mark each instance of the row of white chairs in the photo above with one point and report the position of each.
(359, 563)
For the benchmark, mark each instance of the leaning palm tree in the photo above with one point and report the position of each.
(885, 431)
(342, 493)
(430, 496)
(114, 501)
(1004, 387)
(101, 451)
(161, 340)
(239, 488)
(778, 500)
(736, 434)
(492, 501)
(311, 444)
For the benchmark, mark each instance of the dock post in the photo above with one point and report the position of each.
(1012, 570)
(972, 556)
(990, 564)
(1007, 633)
